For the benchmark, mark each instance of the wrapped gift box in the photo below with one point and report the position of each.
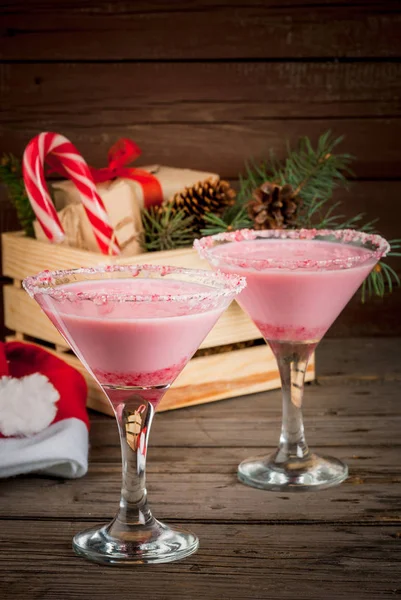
(171, 181)
(121, 204)
(123, 200)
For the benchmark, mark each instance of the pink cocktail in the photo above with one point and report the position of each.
(297, 284)
(134, 328)
(125, 344)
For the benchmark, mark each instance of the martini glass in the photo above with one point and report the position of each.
(134, 328)
(298, 281)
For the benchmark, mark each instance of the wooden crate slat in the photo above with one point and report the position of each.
(24, 256)
(21, 313)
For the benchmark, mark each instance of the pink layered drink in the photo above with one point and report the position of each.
(298, 281)
(295, 288)
(132, 344)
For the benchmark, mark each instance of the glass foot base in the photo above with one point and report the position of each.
(312, 472)
(154, 543)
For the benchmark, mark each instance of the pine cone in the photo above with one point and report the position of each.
(210, 196)
(273, 206)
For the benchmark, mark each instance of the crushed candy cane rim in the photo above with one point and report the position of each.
(54, 283)
(376, 246)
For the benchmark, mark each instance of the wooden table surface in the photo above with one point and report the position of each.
(340, 543)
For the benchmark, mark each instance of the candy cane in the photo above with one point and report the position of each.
(62, 155)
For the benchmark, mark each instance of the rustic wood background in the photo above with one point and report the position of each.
(207, 85)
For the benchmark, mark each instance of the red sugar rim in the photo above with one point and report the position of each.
(376, 247)
(53, 283)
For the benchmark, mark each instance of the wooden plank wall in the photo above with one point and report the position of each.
(207, 85)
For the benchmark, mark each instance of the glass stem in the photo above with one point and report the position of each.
(134, 418)
(292, 359)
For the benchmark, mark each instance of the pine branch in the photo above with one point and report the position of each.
(356, 222)
(233, 218)
(11, 176)
(166, 229)
(383, 278)
(315, 174)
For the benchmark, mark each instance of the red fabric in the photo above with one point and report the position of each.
(4, 370)
(18, 359)
(123, 152)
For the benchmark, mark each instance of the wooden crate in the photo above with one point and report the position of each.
(204, 379)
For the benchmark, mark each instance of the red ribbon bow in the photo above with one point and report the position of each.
(123, 152)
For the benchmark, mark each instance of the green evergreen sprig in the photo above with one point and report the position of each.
(383, 279)
(235, 217)
(166, 229)
(11, 176)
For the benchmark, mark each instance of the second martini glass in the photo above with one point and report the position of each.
(297, 284)
(134, 328)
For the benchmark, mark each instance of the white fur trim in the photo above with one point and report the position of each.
(27, 405)
(60, 450)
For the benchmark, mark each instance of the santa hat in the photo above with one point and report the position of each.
(43, 419)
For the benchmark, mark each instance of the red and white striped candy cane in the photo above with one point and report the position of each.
(61, 154)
